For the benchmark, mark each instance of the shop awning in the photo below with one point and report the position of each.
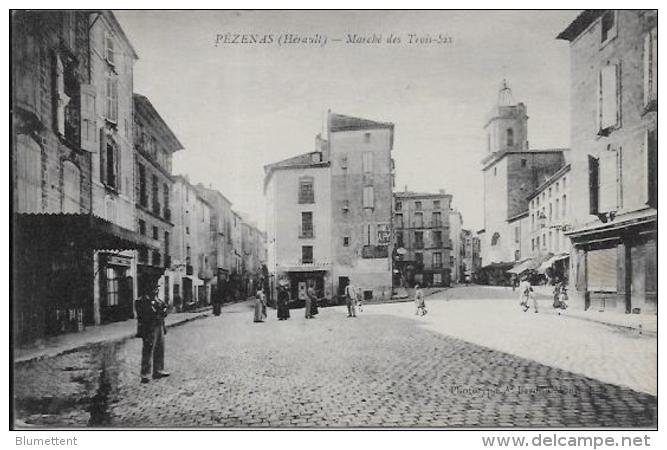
(530, 264)
(316, 267)
(81, 230)
(497, 266)
(550, 262)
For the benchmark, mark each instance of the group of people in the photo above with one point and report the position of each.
(282, 303)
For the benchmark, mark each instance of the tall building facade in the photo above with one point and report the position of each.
(73, 166)
(329, 212)
(362, 178)
(298, 224)
(191, 243)
(154, 144)
(220, 246)
(423, 239)
(457, 250)
(512, 171)
(614, 171)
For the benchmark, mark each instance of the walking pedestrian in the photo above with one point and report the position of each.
(260, 307)
(360, 298)
(350, 299)
(526, 293)
(151, 312)
(419, 302)
(283, 302)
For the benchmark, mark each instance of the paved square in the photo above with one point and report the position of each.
(377, 370)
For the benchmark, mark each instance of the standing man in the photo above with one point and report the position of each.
(151, 312)
(350, 298)
(310, 297)
(419, 301)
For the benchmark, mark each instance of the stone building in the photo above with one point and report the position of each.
(221, 252)
(362, 179)
(549, 215)
(614, 169)
(457, 250)
(469, 255)
(512, 171)
(73, 204)
(424, 242)
(112, 61)
(329, 211)
(154, 144)
(191, 243)
(298, 224)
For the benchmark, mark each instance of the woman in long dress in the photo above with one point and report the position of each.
(283, 303)
(259, 306)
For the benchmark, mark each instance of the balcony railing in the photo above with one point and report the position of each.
(156, 208)
(167, 214)
(374, 251)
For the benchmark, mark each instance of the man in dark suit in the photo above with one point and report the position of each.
(151, 312)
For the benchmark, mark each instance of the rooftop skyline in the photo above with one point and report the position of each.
(237, 108)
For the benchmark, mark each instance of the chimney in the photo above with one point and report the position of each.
(442, 191)
(406, 188)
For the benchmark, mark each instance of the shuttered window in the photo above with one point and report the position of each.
(28, 175)
(602, 266)
(367, 162)
(71, 188)
(651, 167)
(608, 104)
(593, 184)
(650, 66)
(609, 181)
(368, 197)
(61, 100)
(88, 118)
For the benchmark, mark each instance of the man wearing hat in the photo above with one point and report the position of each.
(151, 312)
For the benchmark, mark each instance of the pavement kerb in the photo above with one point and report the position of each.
(609, 324)
(114, 340)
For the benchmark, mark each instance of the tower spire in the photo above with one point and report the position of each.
(505, 97)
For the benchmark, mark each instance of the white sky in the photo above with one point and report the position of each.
(238, 107)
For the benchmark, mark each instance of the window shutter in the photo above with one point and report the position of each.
(647, 68)
(608, 181)
(651, 161)
(88, 118)
(60, 98)
(103, 156)
(598, 111)
(593, 184)
(654, 64)
(609, 96)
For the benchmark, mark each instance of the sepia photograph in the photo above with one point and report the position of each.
(333, 220)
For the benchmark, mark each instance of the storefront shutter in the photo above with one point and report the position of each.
(601, 265)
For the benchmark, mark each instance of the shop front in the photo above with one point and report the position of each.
(69, 272)
(614, 265)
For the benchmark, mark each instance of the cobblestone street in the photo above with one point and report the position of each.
(379, 369)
